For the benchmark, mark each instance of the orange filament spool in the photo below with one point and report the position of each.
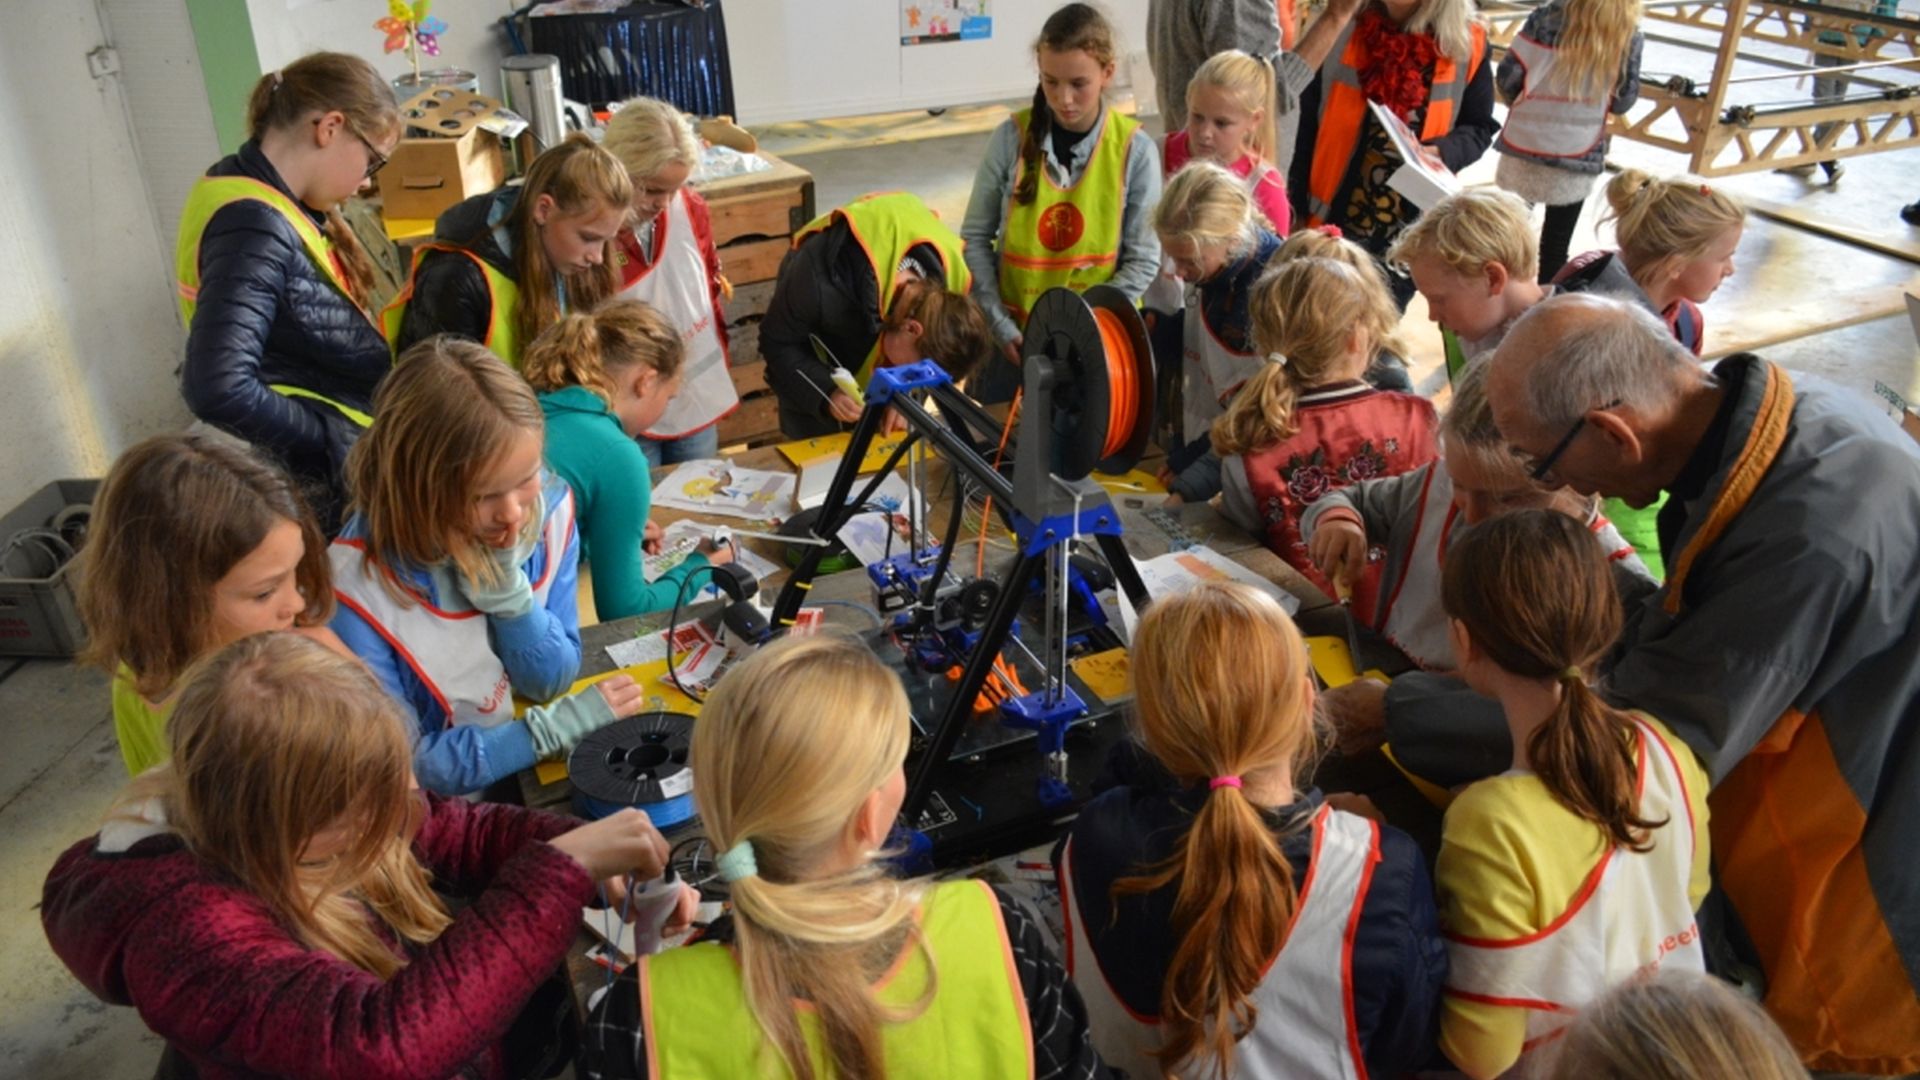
(1123, 384)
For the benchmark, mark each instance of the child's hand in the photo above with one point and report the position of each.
(683, 912)
(622, 694)
(717, 554)
(891, 421)
(1174, 501)
(843, 407)
(1338, 548)
(624, 842)
(1012, 349)
(650, 540)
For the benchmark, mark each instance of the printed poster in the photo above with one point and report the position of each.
(928, 22)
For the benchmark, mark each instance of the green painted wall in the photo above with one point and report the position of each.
(223, 35)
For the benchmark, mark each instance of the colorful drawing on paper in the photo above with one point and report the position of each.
(928, 22)
(716, 486)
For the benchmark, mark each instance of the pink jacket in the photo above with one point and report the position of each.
(215, 974)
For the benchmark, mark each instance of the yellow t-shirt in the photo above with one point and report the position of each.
(140, 726)
(1511, 860)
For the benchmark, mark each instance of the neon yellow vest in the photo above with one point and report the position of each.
(888, 225)
(1067, 236)
(208, 196)
(140, 727)
(503, 336)
(694, 1005)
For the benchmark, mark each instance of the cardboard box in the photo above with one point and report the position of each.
(450, 154)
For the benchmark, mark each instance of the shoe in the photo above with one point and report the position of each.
(1801, 171)
(1835, 171)
(1910, 213)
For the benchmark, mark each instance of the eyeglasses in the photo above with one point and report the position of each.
(375, 159)
(1543, 468)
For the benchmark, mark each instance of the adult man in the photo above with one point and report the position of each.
(1783, 647)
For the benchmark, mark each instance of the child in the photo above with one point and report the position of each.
(271, 900)
(1064, 195)
(880, 281)
(275, 290)
(1209, 229)
(1473, 257)
(1414, 518)
(1230, 122)
(1573, 62)
(1388, 369)
(195, 543)
(1677, 241)
(603, 378)
(505, 265)
(1193, 934)
(667, 259)
(457, 573)
(1678, 1025)
(829, 964)
(1305, 424)
(1582, 866)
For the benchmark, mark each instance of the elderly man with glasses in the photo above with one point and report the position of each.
(1784, 646)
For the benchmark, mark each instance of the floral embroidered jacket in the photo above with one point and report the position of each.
(1348, 432)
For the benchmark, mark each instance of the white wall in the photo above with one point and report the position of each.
(88, 334)
(792, 59)
(824, 58)
(286, 30)
(166, 102)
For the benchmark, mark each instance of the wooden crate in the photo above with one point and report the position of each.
(757, 421)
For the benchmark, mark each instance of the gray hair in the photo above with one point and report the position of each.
(1469, 420)
(1628, 356)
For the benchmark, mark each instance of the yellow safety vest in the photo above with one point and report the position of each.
(503, 336)
(206, 199)
(697, 1022)
(1067, 236)
(887, 225)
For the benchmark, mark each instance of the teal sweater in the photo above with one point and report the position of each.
(612, 493)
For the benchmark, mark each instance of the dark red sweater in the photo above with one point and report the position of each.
(211, 970)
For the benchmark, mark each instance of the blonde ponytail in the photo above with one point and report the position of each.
(779, 783)
(1303, 311)
(595, 349)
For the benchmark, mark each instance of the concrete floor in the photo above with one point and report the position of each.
(1809, 301)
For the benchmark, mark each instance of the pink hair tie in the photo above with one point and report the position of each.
(1330, 231)
(1223, 781)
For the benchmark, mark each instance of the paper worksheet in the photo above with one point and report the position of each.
(1178, 571)
(717, 486)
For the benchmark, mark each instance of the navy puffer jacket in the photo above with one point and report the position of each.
(266, 315)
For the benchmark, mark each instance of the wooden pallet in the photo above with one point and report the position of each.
(754, 219)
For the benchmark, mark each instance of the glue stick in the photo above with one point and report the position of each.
(848, 385)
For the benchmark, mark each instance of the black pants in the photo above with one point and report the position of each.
(1555, 234)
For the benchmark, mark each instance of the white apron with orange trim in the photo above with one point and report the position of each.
(1211, 372)
(676, 286)
(1633, 916)
(1305, 1029)
(448, 650)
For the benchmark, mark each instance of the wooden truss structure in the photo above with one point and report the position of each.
(1721, 136)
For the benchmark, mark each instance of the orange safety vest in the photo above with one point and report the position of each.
(1343, 112)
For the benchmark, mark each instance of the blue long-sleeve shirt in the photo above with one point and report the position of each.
(1139, 258)
(540, 651)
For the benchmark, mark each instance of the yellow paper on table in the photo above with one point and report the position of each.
(802, 452)
(1131, 482)
(1334, 663)
(1107, 674)
(660, 695)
